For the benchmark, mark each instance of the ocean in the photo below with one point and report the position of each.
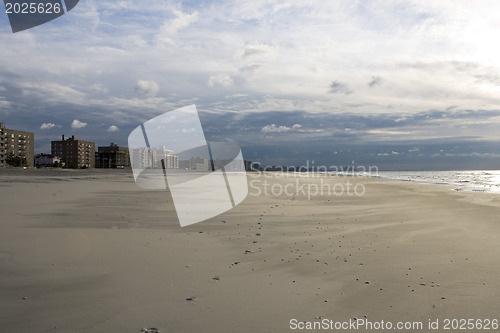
(474, 180)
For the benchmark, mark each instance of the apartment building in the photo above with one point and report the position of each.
(169, 158)
(151, 158)
(74, 153)
(112, 156)
(17, 144)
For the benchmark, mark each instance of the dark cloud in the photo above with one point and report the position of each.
(368, 139)
(337, 87)
(375, 81)
(350, 135)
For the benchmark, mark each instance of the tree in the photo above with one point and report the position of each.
(15, 161)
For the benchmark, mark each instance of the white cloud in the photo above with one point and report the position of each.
(113, 128)
(476, 154)
(52, 92)
(258, 52)
(171, 27)
(399, 58)
(381, 132)
(146, 88)
(98, 87)
(279, 129)
(47, 126)
(76, 124)
(223, 80)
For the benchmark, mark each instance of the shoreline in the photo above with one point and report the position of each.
(95, 172)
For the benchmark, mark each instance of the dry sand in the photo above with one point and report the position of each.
(89, 251)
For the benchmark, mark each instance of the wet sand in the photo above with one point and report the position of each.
(91, 251)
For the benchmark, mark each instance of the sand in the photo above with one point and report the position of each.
(89, 251)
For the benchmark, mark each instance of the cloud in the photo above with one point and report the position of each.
(476, 154)
(250, 69)
(279, 129)
(113, 128)
(339, 88)
(47, 126)
(76, 124)
(223, 80)
(52, 92)
(258, 52)
(375, 81)
(276, 72)
(170, 28)
(146, 88)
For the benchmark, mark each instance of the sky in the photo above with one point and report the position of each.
(402, 85)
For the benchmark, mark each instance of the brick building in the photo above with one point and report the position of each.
(16, 144)
(112, 156)
(74, 153)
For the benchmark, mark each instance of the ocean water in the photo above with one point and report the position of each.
(475, 180)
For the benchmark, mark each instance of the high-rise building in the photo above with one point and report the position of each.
(151, 158)
(143, 157)
(112, 156)
(74, 153)
(16, 144)
(170, 159)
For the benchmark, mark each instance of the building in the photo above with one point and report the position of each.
(196, 164)
(75, 153)
(171, 160)
(17, 144)
(46, 160)
(145, 158)
(112, 156)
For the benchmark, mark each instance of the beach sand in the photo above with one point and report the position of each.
(89, 251)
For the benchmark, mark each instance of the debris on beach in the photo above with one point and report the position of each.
(149, 330)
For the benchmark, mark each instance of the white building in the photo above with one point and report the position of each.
(143, 158)
(46, 160)
(171, 160)
(151, 158)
